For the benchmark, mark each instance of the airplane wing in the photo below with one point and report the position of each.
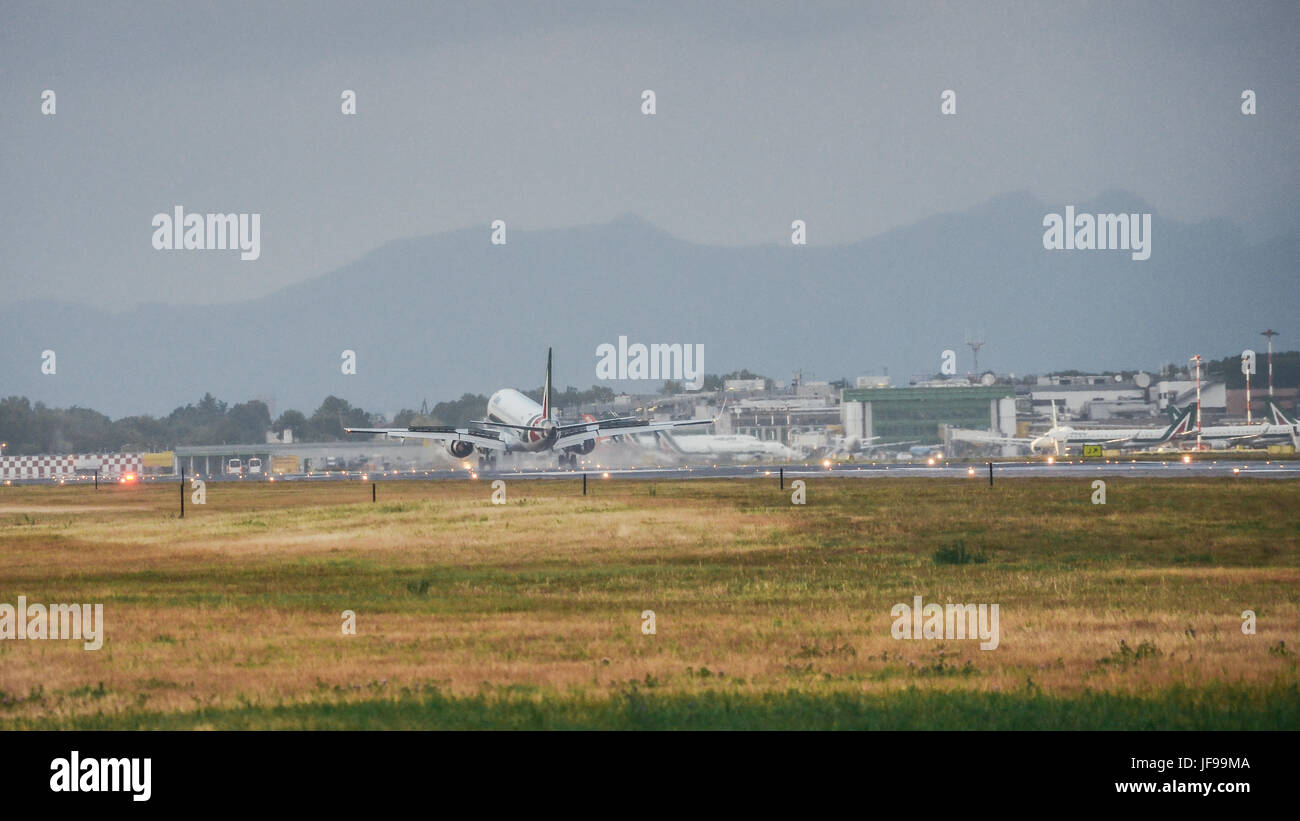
(569, 435)
(983, 437)
(1083, 440)
(883, 445)
(492, 424)
(480, 437)
(1240, 437)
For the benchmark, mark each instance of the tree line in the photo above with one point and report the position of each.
(29, 428)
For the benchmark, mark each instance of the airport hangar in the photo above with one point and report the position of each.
(918, 413)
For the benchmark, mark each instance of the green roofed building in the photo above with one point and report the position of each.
(898, 414)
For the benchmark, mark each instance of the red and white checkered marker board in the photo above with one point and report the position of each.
(113, 464)
(61, 467)
(36, 467)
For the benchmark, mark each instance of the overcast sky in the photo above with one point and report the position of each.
(530, 112)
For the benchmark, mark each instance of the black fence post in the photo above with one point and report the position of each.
(783, 478)
(96, 478)
(372, 491)
(584, 484)
(182, 493)
(990, 474)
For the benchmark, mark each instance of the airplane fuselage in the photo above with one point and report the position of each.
(1270, 431)
(731, 445)
(510, 407)
(1098, 436)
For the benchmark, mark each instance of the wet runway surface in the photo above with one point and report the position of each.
(1172, 469)
(952, 470)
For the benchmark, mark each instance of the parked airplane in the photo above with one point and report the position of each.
(851, 446)
(985, 437)
(1279, 429)
(1063, 435)
(925, 451)
(731, 446)
(516, 424)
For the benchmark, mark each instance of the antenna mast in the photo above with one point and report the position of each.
(975, 345)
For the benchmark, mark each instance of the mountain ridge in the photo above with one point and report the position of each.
(438, 315)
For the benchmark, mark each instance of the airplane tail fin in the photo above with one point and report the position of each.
(1278, 416)
(546, 389)
(1182, 423)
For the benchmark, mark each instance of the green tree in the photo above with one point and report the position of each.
(294, 421)
(467, 408)
(327, 423)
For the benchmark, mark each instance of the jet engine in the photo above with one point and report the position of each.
(460, 448)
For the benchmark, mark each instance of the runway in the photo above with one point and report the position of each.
(1174, 469)
(975, 471)
(954, 470)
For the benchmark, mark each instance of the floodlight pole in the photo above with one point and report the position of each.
(1197, 360)
(1269, 334)
(1247, 369)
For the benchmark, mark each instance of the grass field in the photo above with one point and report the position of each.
(767, 614)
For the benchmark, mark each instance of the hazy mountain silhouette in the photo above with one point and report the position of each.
(435, 316)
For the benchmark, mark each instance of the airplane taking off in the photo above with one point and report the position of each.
(1064, 435)
(517, 424)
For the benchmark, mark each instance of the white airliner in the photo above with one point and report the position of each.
(863, 446)
(1064, 435)
(1279, 429)
(516, 424)
(733, 446)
